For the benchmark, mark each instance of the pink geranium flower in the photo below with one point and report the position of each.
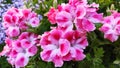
(111, 27)
(55, 47)
(68, 16)
(19, 51)
(68, 40)
(16, 20)
(13, 31)
(59, 46)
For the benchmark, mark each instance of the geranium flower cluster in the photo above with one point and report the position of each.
(20, 45)
(111, 26)
(75, 14)
(18, 20)
(4, 6)
(68, 40)
(59, 46)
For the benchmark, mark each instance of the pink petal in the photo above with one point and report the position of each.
(55, 35)
(17, 45)
(54, 53)
(82, 42)
(63, 18)
(13, 53)
(87, 25)
(15, 18)
(67, 57)
(49, 47)
(8, 42)
(111, 37)
(7, 18)
(79, 55)
(51, 15)
(66, 28)
(34, 22)
(5, 50)
(23, 25)
(96, 18)
(45, 55)
(69, 36)
(108, 19)
(11, 61)
(13, 31)
(64, 46)
(44, 39)
(32, 50)
(79, 25)
(57, 60)
(77, 2)
(21, 60)
(72, 52)
(26, 12)
(25, 43)
(105, 28)
(118, 29)
(80, 12)
(24, 35)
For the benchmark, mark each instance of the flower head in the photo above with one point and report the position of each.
(20, 50)
(111, 27)
(76, 13)
(59, 46)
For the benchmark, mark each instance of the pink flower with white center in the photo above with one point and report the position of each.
(111, 27)
(19, 51)
(59, 46)
(81, 16)
(16, 20)
(9, 21)
(30, 18)
(31, 37)
(29, 42)
(11, 17)
(54, 52)
(26, 47)
(20, 45)
(76, 39)
(54, 47)
(34, 22)
(13, 31)
(78, 43)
